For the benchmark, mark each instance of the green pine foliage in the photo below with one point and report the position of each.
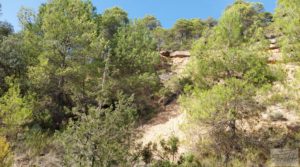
(228, 66)
(110, 21)
(182, 35)
(133, 63)
(101, 138)
(16, 109)
(287, 24)
(75, 84)
(60, 76)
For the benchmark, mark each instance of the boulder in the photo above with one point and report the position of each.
(277, 116)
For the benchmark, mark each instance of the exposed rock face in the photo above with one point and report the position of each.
(165, 53)
(175, 54)
(279, 113)
(274, 51)
(167, 122)
(180, 54)
(179, 63)
(176, 60)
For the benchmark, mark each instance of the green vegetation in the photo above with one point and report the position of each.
(71, 69)
(101, 138)
(75, 85)
(287, 25)
(182, 35)
(15, 110)
(228, 69)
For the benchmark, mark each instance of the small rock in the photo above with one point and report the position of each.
(294, 127)
(277, 116)
(273, 40)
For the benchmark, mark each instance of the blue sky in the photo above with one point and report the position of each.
(167, 11)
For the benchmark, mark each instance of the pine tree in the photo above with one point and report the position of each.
(60, 76)
(16, 110)
(133, 63)
(101, 138)
(287, 23)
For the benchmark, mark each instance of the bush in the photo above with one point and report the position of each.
(101, 137)
(16, 110)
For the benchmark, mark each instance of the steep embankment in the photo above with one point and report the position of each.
(281, 102)
(282, 99)
(167, 122)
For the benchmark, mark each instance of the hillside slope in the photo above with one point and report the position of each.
(167, 122)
